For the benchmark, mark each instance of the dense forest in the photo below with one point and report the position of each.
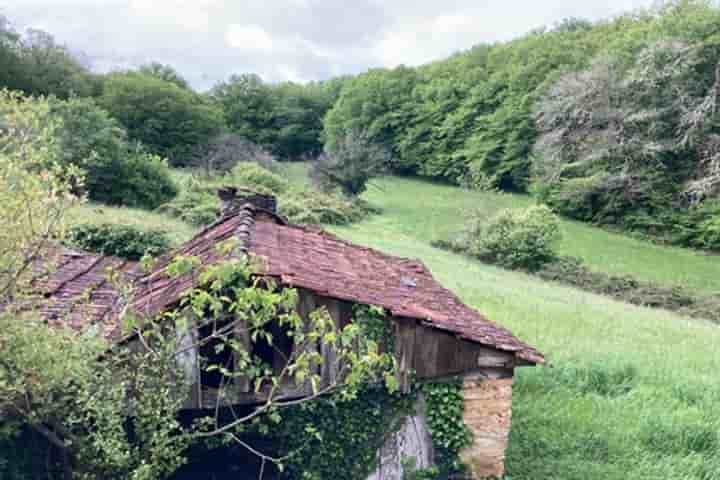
(612, 122)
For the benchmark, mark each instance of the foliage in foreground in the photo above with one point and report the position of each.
(112, 410)
(35, 191)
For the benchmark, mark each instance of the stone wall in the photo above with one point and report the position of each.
(488, 411)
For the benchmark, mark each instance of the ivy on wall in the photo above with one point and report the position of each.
(345, 435)
(444, 410)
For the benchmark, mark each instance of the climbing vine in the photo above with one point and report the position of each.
(445, 405)
(342, 434)
(335, 438)
(375, 326)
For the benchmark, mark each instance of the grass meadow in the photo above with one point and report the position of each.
(628, 392)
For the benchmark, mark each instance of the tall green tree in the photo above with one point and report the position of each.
(247, 105)
(377, 103)
(117, 171)
(170, 121)
(164, 72)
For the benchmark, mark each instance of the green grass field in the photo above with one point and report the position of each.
(430, 211)
(628, 392)
(177, 230)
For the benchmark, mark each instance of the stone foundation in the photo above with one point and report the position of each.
(488, 411)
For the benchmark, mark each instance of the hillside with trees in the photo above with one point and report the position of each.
(611, 122)
(566, 183)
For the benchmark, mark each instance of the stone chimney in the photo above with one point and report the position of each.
(232, 198)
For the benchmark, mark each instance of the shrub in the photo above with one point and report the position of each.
(118, 240)
(524, 239)
(312, 207)
(198, 204)
(256, 177)
(226, 150)
(148, 182)
(572, 271)
(350, 164)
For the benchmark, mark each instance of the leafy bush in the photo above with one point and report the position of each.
(254, 176)
(196, 204)
(313, 207)
(516, 238)
(118, 240)
(572, 271)
(226, 150)
(349, 164)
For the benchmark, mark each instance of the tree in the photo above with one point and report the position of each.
(164, 72)
(168, 120)
(12, 74)
(35, 190)
(377, 103)
(350, 164)
(226, 150)
(116, 171)
(50, 69)
(247, 105)
(297, 117)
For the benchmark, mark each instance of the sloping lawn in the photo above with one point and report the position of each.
(431, 211)
(629, 392)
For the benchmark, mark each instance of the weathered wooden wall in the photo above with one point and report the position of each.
(411, 442)
(430, 355)
(435, 354)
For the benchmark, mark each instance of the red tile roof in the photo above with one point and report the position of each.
(318, 261)
(74, 289)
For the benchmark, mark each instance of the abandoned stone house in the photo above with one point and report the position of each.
(436, 336)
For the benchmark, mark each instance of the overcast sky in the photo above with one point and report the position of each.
(298, 40)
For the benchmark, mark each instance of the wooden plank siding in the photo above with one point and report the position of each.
(435, 355)
(422, 353)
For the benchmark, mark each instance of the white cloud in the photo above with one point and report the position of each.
(207, 40)
(249, 38)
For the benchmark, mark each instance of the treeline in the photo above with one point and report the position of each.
(614, 122)
(126, 129)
